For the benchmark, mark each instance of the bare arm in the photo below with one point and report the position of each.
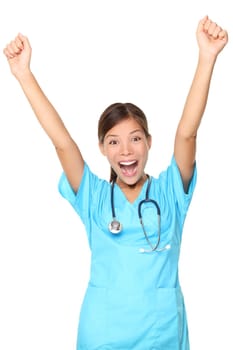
(18, 53)
(211, 40)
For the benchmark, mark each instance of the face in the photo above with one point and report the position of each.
(126, 148)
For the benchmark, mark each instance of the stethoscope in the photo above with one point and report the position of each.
(115, 226)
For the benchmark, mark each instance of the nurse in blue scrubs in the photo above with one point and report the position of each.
(134, 222)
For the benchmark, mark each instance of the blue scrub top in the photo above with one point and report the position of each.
(133, 300)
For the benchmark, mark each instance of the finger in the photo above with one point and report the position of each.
(216, 32)
(6, 53)
(15, 47)
(12, 49)
(19, 42)
(207, 24)
(203, 20)
(212, 28)
(223, 35)
(24, 40)
(9, 49)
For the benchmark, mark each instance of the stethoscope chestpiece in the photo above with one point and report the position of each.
(115, 227)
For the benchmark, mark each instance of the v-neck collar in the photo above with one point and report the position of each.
(139, 196)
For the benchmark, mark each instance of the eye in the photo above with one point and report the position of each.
(136, 138)
(113, 142)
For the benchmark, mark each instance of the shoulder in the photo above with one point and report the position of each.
(90, 185)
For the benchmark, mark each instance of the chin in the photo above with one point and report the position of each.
(130, 180)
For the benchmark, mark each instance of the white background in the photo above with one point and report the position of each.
(86, 55)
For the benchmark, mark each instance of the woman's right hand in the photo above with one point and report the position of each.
(18, 54)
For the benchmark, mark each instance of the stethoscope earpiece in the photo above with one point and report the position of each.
(115, 227)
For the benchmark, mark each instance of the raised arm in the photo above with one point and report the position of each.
(18, 53)
(211, 40)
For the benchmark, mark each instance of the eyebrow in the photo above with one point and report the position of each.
(132, 132)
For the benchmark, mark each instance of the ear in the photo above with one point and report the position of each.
(149, 141)
(102, 149)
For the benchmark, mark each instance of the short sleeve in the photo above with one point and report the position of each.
(183, 198)
(84, 200)
(173, 190)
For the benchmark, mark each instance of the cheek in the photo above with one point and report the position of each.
(144, 150)
(110, 154)
(107, 151)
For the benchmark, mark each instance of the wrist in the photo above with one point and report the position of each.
(207, 58)
(23, 74)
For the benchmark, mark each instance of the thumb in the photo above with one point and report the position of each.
(202, 23)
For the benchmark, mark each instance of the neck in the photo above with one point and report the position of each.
(137, 184)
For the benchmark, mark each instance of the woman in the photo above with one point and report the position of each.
(134, 222)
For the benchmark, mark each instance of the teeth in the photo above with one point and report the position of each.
(128, 163)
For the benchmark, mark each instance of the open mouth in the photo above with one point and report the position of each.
(129, 168)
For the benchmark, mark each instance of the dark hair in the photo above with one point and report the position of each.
(114, 114)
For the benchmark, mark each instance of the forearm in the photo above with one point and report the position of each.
(197, 97)
(46, 114)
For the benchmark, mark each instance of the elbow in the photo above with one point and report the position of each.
(186, 135)
(64, 144)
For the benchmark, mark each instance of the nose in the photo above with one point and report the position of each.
(126, 148)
